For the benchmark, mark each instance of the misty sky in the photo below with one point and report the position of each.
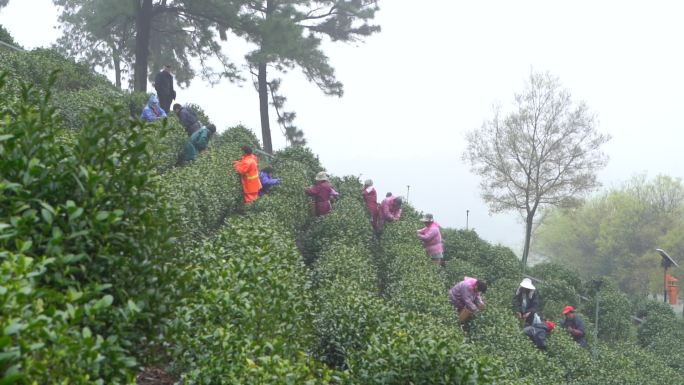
(434, 72)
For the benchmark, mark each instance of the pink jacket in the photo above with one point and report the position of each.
(432, 239)
(464, 295)
(388, 211)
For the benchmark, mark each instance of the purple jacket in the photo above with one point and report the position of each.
(267, 182)
(432, 239)
(464, 295)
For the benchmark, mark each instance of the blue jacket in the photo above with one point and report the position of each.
(576, 329)
(152, 110)
(267, 182)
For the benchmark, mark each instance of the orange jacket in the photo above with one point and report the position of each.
(248, 168)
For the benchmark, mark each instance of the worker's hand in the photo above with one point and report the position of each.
(481, 306)
(524, 316)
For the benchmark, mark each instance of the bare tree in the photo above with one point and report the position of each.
(544, 153)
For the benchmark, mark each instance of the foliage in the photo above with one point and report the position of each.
(544, 154)
(346, 221)
(201, 115)
(93, 281)
(244, 320)
(77, 91)
(36, 66)
(68, 242)
(103, 35)
(661, 332)
(288, 35)
(296, 167)
(207, 192)
(560, 287)
(616, 233)
(614, 312)
(6, 37)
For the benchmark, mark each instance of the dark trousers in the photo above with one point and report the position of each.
(165, 103)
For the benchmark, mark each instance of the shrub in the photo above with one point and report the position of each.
(7, 38)
(36, 66)
(614, 313)
(246, 314)
(207, 191)
(78, 218)
(201, 115)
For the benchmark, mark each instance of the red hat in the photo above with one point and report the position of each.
(550, 325)
(568, 309)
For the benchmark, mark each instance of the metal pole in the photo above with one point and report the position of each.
(665, 285)
(408, 189)
(467, 213)
(596, 328)
(10, 46)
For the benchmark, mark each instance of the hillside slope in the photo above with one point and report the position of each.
(112, 260)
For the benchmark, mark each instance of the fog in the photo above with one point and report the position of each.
(434, 72)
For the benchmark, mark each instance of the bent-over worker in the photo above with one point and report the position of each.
(466, 298)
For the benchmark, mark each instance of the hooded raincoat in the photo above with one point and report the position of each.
(267, 182)
(152, 110)
(465, 295)
(432, 239)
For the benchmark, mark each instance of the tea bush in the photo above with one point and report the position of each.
(378, 343)
(78, 217)
(109, 253)
(246, 316)
(206, 192)
(465, 245)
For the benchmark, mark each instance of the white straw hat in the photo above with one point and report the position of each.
(527, 284)
(321, 176)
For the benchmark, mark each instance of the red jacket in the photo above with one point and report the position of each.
(371, 198)
(322, 192)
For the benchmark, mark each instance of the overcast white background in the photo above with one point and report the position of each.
(434, 72)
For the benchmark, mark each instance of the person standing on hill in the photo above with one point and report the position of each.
(187, 118)
(267, 180)
(466, 298)
(390, 210)
(322, 192)
(198, 142)
(432, 239)
(526, 301)
(574, 325)
(248, 168)
(370, 196)
(152, 110)
(163, 84)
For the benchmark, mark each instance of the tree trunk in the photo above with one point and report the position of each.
(117, 67)
(263, 108)
(143, 24)
(528, 236)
